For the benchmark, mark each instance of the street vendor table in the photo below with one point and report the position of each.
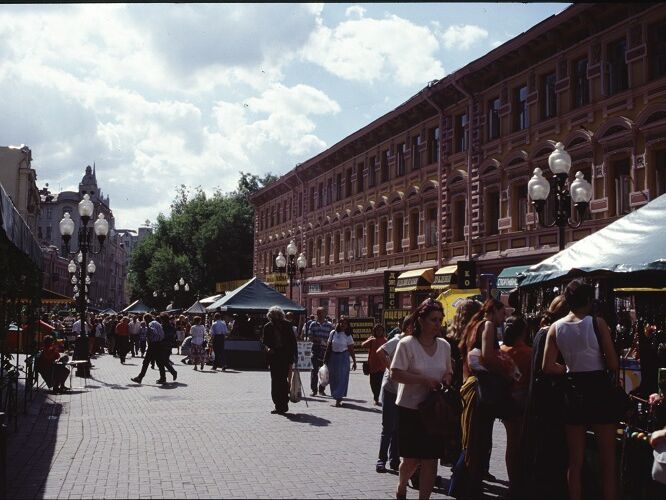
(77, 364)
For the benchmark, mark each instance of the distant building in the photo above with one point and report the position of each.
(19, 180)
(107, 288)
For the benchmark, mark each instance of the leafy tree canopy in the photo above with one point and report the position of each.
(205, 240)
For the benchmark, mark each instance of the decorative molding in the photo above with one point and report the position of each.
(599, 205)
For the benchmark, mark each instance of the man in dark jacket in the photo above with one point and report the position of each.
(281, 352)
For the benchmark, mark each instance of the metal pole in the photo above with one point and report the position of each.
(81, 346)
(561, 236)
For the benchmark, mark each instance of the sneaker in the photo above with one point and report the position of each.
(160, 381)
(380, 467)
(136, 379)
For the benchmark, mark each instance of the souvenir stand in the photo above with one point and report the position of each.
(626, 263)
(248, 305)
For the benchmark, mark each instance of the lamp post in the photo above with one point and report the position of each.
(85, 246)
(176, 288)
(580, 191)
(291, 265)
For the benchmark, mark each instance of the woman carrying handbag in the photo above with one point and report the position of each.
(589, 393)
(375, 364)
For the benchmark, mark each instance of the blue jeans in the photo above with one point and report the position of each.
(388, 443)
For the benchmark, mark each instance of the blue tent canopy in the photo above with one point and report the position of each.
(255, 296)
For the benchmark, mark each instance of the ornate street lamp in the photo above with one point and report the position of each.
(291, 266)
(580, 192)
(85, 246)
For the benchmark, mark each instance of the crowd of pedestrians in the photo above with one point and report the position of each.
(548, 385)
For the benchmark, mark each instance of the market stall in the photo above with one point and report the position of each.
(248, 305)
(626, 262)
(137, 307)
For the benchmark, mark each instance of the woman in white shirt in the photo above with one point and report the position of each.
(340, 348)
(421, 364)
(198, 333)
(587, 354)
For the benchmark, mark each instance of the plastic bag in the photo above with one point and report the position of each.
(295, 387)
(323, 376)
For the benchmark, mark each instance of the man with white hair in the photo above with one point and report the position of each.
(281, 352)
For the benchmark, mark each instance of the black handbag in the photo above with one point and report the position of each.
(494, 395)
(440, 412)
(366, 368)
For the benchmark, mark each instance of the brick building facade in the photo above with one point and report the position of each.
(443, 177)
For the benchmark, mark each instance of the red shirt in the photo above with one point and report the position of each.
(122, 329)
(374, 359)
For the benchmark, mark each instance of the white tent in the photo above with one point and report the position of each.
(635, 243)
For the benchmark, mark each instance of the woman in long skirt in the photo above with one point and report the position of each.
(341, 348)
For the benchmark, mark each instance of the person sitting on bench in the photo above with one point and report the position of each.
(51, 366)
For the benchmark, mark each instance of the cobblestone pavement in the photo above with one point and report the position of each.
(208, 435)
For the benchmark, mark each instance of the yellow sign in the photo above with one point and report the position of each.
(342, 285)
(227, 286)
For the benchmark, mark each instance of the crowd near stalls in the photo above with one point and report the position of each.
(625, 264)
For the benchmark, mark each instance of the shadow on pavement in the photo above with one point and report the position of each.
(351, 406)
(306, 418)
(171, 385)
(31, 449)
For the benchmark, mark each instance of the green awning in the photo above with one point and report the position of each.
(508, 278)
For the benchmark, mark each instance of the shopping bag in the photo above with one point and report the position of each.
(295, 387)
(323, 376)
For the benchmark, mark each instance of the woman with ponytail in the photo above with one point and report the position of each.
(479, 347)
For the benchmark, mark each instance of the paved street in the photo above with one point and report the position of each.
(209, 435)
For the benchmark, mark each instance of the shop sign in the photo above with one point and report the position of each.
(227, 286)
(466, 274)
(278, 281)
(390, 282)
(393, 318)
(342, 285)
(362, 328)
(314, 288)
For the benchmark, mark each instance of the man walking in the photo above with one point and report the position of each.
(281, 352)
(134, 329)
(155, 337)
(218, 333)
(318, 333)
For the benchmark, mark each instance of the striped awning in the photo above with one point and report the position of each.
(416, 279)
(445, 277)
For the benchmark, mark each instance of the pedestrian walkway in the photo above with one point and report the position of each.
(208, 435)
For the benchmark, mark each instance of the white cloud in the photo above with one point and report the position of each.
(462, 37)
(368, 50)
(355, 11)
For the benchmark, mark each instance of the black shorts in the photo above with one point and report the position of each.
(587, 398)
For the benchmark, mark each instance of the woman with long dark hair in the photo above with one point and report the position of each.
(340, 348)
(480, 340)
(421, 364)
(545, 447)
(584, 341)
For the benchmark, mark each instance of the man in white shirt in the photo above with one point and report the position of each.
(134, 329)
(218, 333)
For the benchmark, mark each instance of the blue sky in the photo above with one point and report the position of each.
(163, 95)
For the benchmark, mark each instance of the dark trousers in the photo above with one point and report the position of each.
(134, 345)
(376, 384)
(388, 443)
(280, 384)
(314, 375)
(218, 349)
(165, 350)
(122, 346)
(152, 356)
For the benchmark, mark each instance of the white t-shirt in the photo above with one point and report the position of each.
(389, 348)
(341, 341)
(198, 333)
(411, 357)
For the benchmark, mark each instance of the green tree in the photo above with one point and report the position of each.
(205, 239)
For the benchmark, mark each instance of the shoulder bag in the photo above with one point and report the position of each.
(618, 400)
(440, 411)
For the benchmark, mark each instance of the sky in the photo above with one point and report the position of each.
(160, 95)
